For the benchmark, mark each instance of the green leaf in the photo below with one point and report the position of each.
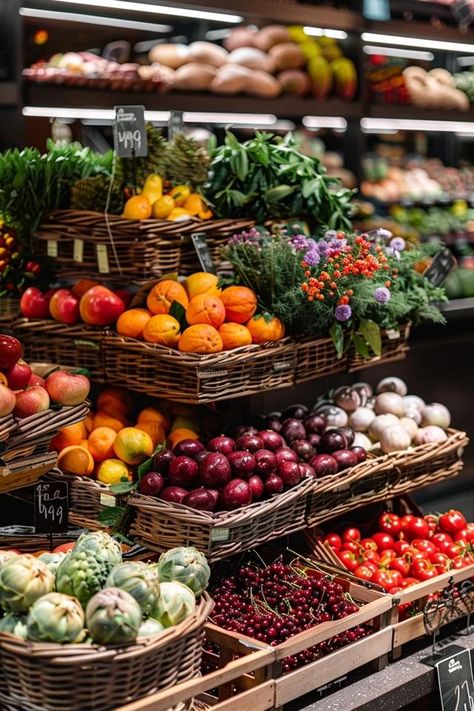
(371, 332)
(360, 345)
(280, 192)
(337, 334)
(178, 312)
(145, 467)
(124, 487)
(111, 515)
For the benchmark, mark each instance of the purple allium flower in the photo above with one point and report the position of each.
(382, 295)
(330, 234)
(392, 253)
(398, 244)
(252, 237)
(323, 246)
(301, 243)
(343, 312)
(312, 256)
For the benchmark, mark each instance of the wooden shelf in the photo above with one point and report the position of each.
(407, 111)
(9, 93)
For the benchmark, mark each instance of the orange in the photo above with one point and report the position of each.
(205, 214)
(113, 471)
(101, 443)
(205, 308)
(73, 434)
(154, 429)
(150, 414)
(179, 213)
(180, 434)
(132, 322)
(163, 294)
(83, 285)
(137, 208)
(234, 335)
(116, 402)
(240, 303)
(162, 329)
(263, 329)
(202, 283)
(76, 460)
(194, 204)
(89, 422)
(132, 445)
(200, 338)
(104, 420)
(84, 443)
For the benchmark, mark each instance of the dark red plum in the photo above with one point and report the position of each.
(215, 470)
(242, 463)
(303, 449)
(236, 494)
(182, 471)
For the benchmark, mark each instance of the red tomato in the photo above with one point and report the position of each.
(348, 559)
(388, 579)
(370, 556)
(384, 541)
(386, 558)
(334, 541)
(395, 591)
(423, 570)
(364, 572)
(460, 561)
(405, 521)
(452, 521)
(451, 549)
(417, 528)
(351, 534)
(368, 544)
(440, 559)
(65, 547)
(466, 535)
(351, 546)
(390, 523)
(400, 547)
(425, 546)
(400, 564)
(441, 538)
(409, 581)
(432, 522)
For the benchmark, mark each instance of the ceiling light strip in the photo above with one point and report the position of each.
(93, 20)
(320, 32)
(417, 42)
(372, 125)
(135, 7)
(395, 52)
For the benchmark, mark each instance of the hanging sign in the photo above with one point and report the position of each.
(202, 251)
(130, 139)
(51, 506)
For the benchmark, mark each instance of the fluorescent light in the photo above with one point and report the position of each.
(156, 9)
(206, 117)
(336, 122)
(373, 125)
(404, 53)
(320, 32)
(465, 61)
(64, 112)
(417, 42)
(220, 34)
(93, 20)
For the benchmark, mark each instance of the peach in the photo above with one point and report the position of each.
(7, 401)
(67, 388)
(31, 401)
(64, 307)
(100, 306)
(34, 304)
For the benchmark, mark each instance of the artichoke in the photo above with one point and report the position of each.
(82, 575)
(113, 616)
(140, 580)
(56, 618)
(176, 603)
(187, 566)
(150, 628)
(102, 546)
(52, 560)
(14, 624)
(22, 581)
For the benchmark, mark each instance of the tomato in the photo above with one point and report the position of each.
(423, 570)
(421, 544)
(368, 544)
(364, 572)
(466, 535)
(417, 528)
(400, 547)
(395, 591)
(452, 521)
(460, 561)
(348, 559)
(441, 538)
(432, 522)
(334, 541)
(401, 564)
(386, 558)
(390, 523)
(409, 581)
(388, 579)
(440, 559)
(405, 521)
(451, 549)
(351, 546)
(351, 534)
(370, 556)
(383, 541)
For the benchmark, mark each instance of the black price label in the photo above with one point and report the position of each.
(202, 251)
(130, 139)
(456, 685)
(442, 264)
(51, 507)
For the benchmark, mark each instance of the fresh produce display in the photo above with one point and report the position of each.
(274, 602)
(94, 597)
(435, 89)
(464, 81)
(401, 551)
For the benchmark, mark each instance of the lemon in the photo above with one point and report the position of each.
(162, 207)
(112, 471)
(180, 194)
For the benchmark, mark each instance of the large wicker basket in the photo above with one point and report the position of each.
(317, 358)
(89, 244)
(188, 377)
(25, 471)
(9, 308)
(54, 677)
(394, 347)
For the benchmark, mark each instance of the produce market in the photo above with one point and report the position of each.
(236, 347)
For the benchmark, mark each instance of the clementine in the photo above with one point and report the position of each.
(151, 414)
(67, 436)
(180, 434)
(103, 420)
(83, 443)
(240, 303)
(162, 329)
(154, 429)
(89, 422)
(76, 460)
(202, 283)
(263, 329)
(234, 335)
(200, 338)
(137, 208)
(116, 402)
(206, 308)
(101, 443)
(163, 294)
(132, 322)
(132, 445)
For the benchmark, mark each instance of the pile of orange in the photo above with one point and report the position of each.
(217, 319)
(106, 446)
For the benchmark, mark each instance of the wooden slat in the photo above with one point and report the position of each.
(258, 699)
(415, 592)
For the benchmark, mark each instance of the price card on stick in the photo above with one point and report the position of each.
(202, 251)
(130, 139)
(456, 684)
(51, 506)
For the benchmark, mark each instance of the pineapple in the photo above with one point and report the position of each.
(91, 194)
(186, 162)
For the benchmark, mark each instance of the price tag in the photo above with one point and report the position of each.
(102, 258)
(202, 251)
(220, 534)
(442, 264)
(107, 499)
(78, 254)
(52, 248)
(130, 138)
(51, 506)
(456, 685)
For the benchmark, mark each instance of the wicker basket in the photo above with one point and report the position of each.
(82, 244)
(25, 471)
(9, 309)
(78, 347)
(54, 677)
(188, 377)
(317, 358)
(160, 525)
(394, 347)
(43, 426)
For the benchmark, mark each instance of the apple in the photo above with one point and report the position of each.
(10, 351)
(250, 442)
(303, 449)
(360, 453)
(64, 307)
(174, 494)
(224, 445)
(256, 486)
(34, 304)
(265, 462)
(67, 388)
(188, 448)
(162, 461)
(293, 429)
(242, 462)
(324, 464)
(285, 454)
(31, 401)
(100, 306)
(289, 473)
(200, 499)
(314, 424)
(345, 458)
(18, 376)
(36, 380)
(274, 484)
(271, 440)
(7, 401)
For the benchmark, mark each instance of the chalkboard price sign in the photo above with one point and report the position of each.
(203, 253)
(129, 132)
(51, 507)
(440, 267)
(456, 684)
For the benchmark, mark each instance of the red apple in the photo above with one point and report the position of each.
(285, 454)
(18, 376)
(250, 442)
(124, 295)
(64, 307)
(215, 470)
(36, 380)
(224, 445)
(162, 461)
(31, 401)
(100, 307)
(200, 499)
(10, 351)
(289, 473)
(271, 440)
(7, 401)
(273, 485)
(34, 304)
(67, 388)
(256, 486)
(242, 463)
(324, 464)
(265, 462)
(188, 448)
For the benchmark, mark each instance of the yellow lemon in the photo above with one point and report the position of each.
(180, 194)
(112, 471)
(162, 207)
(132, 445)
